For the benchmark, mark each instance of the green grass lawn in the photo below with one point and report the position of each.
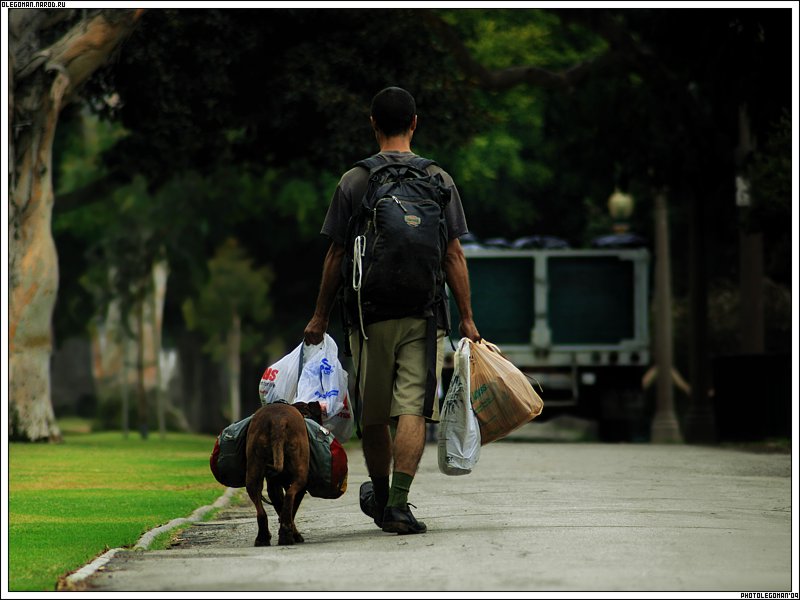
(70, 502)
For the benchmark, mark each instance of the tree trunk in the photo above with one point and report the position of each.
(751, 252)
(42, 81)
(699, 427)
(141, 389)
(191, 381)
(111, 362)
(125, 392)
(751, 291)
(112, 369)
(160, 274)
(234, 367)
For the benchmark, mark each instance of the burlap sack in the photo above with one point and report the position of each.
(502, 397)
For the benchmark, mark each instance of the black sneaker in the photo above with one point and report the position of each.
(400, 520)
(369, 506)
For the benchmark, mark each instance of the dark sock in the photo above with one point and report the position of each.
(380, 485)
(398, 494)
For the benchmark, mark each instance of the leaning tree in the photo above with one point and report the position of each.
(51, 54)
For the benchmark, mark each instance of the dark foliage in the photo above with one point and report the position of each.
(200, 88)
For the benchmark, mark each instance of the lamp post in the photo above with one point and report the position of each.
(620, 206)
(665, 426)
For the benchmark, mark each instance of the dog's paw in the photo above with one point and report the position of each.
(261, 542)
(286, 536)
(298, 539)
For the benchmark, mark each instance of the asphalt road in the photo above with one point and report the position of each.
(549, 517)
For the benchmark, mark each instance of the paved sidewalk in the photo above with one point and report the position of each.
(531, 517)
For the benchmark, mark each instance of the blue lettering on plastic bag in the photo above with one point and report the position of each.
(325, 368)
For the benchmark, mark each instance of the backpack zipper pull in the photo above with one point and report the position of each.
(400, 204)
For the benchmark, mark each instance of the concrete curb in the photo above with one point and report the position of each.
(74, 580)
(147, 539)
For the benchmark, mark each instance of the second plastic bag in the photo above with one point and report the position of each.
(502, 397)
(279, 381)
(313, 373)
(459, 431)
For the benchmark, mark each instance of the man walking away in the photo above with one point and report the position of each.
(395, 332)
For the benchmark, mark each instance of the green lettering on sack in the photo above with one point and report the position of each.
(479, 392)
(482, 404)
(484, 396)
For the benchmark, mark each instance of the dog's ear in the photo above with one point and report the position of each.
(315, 411)
(310, 410)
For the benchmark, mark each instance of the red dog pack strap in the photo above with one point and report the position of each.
(327, 472)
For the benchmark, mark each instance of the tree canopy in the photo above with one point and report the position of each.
(271, 87)
(238, 123)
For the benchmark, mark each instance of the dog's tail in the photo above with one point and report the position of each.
(277, 457)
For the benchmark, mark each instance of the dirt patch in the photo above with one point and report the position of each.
(233, 526)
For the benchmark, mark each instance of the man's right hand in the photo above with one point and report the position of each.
(315, 330)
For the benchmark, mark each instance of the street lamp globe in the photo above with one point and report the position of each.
(620, 206)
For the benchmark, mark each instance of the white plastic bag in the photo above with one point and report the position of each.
(321, 378)
(313, 373)
(341, 424)
(459, 431)
(279, 381)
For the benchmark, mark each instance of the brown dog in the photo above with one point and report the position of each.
(277, 449)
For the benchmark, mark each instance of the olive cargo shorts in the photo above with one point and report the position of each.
(393, 371)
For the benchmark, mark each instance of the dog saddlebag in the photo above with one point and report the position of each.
(327, 469)
(229, 457)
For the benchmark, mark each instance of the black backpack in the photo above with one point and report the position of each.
(395, 243)
(395, 246)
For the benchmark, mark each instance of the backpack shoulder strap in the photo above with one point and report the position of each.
(376, 162)
(421, 163)
(372, 163)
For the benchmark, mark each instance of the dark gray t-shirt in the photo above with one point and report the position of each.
(353, 185)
